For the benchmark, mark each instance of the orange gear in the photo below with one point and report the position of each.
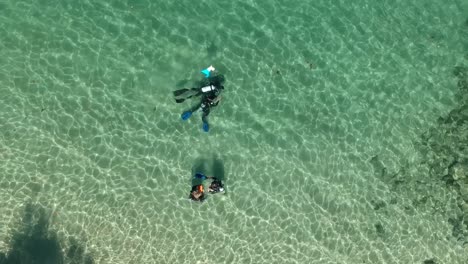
(200, 188)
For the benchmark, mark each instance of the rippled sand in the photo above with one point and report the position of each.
(317, 135)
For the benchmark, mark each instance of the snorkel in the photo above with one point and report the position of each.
(208, 71)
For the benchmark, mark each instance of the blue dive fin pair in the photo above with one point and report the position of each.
(187, 114)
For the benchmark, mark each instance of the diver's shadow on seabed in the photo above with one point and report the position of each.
(214, 167)
(218, 169)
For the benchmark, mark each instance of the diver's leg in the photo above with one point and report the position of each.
(206, 112)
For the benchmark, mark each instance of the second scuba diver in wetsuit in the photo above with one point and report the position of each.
(216, 186)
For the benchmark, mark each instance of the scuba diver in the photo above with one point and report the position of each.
(210, 93)
(216, 186)
(197, 193)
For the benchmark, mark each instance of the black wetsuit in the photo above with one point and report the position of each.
(216, 186)
(208, 101)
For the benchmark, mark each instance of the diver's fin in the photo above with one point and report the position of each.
(179, 100)
(179, 92)
(206, 127)
(199, 175)
(186, 115)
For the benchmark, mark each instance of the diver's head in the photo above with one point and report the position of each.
(197, 193)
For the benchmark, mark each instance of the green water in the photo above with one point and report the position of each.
(89, 129)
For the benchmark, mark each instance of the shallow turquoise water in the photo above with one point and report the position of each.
(314, 90)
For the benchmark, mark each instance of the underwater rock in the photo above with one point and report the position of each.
(378, 204)
(429, 261)
(457, 227)
(36, 243)
(464, 208)
(379, 168)
(459, 172)
(444, 148)
(379, 229)
(460, 71)
(420, 201)
(449, 181)
(463, 190)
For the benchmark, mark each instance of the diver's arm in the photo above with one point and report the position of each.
(216, 100)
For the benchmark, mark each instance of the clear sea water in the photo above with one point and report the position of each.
(314, 90)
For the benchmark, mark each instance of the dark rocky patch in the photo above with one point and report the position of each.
(379, 229)
(379, 168)
(36, 243)
(378, 204)
(458, 228)
(429, 261)
(446, 149)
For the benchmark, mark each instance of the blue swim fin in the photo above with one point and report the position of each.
(206, 127)
(186, 115)
(199, 175)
